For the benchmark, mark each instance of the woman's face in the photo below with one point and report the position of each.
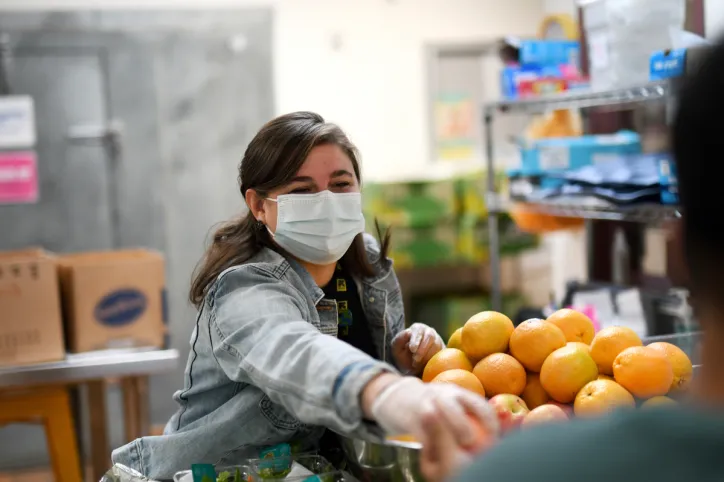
(327, 168)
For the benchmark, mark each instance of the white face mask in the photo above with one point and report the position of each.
(318, 228)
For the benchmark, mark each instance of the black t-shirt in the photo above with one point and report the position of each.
(352, 328)
(352, 323)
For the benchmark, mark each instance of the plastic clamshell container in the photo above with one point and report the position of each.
(287, 468)
(237, 473)
(336, 476)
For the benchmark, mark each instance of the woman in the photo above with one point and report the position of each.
(300, 323)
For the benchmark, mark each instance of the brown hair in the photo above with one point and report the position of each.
(272, 160)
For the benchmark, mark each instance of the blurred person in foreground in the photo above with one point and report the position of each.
(682, 443)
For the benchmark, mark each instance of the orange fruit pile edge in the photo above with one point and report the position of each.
(558, 367)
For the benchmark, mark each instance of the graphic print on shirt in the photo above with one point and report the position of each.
(351, 323)
(345, 317)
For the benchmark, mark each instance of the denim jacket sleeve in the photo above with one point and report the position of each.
(261, 336)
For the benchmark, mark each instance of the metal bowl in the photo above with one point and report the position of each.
(382, 461)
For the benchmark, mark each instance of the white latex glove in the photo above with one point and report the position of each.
(402, 406)
(413, 347)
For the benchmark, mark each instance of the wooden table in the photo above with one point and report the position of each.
(131, 366)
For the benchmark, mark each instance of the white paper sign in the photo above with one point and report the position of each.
(598, 48)
(17, 122)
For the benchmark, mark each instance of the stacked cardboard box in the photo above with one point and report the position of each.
(439, 222)
(422, 217)
(113, 299)
(30, 317)
(82, 302)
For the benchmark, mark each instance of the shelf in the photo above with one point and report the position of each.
(583, 98)
(645, 213)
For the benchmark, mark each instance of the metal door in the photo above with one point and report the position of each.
(98, 161)
(74, 209)
(97, 148)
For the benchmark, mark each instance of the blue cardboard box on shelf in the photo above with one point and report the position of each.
(513, 75)
(666, 64)
(555, 155)
(549, 52)
(668, 180)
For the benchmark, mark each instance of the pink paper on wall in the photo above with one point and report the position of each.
(18, 177)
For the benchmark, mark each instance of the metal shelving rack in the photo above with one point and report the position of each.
(661, 91)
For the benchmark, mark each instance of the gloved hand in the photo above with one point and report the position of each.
(442, 457)
(403, 405)
(413, 347)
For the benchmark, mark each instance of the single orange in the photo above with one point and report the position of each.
(574, 324)
(608, 343)
(486, 333)
(500, 373)
(461, 378)
(566, 371)
(456, 339)
(580, 345)
(600, 397)
(660, 401)
(643, 371)
(445, 359)
(534, 395)
(680, 363)
(533, 340)
(403, 438)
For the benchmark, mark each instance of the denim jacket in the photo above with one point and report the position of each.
(265, 367)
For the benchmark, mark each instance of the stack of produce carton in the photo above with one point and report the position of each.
(439, 221)
(422, 217)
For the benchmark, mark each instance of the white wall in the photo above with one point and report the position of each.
(560, 6)
(713, 13)
(374, 82)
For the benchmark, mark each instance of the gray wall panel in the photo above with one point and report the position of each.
(189, 105)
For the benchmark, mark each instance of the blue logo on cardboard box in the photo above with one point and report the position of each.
(120, 307)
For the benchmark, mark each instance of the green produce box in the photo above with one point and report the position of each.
(473, 238)
(447, 314)
(410, 204)
(471, 192)
(472, 241)
(428, 246)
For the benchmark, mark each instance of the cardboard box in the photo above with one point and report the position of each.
(549, 52)
(31, 329)
(556, 155)
(473, 239)
(667, 64)
(113, 299)
(420, 247)
(410, 204)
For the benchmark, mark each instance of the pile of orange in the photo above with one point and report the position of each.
(560, 360)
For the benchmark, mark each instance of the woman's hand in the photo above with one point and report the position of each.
(399, 405)
(413, 347)
(442, 455)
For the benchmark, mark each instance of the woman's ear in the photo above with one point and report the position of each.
(256, 205)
